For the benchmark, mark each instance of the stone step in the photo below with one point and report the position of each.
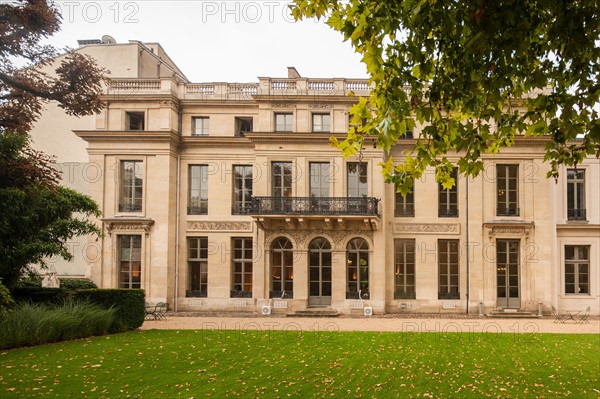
(319, 312)
(512, 314)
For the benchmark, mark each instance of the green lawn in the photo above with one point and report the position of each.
(271, 364)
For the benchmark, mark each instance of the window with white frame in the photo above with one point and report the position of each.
(197, 267)
(357, 261)
(576, 194)
(448, 198)
(284, 122)
(282, 269)
(198, 190)
(200, 125)
(242, 188)
(242, 268)
(405, 204)
(507, 188)
(577, 269)
(448, 269)
(131, 187)
(321, 122)
(130, 261)
(404, 268)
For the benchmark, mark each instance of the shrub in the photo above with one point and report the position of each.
(30, 281)
(76, 284)
(34, 323)
(55, 296)
(5, 299)
(128, 303)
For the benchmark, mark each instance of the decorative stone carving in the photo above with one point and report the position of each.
(320, 106)
(300, 237)
(219, 226)
(425, 228)
(129, 225)
(284, 105)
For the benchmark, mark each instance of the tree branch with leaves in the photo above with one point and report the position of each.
(38, 215)
(472, 75)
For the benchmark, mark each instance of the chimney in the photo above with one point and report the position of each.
(293, 73)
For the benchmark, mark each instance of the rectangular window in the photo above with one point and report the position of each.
(243, 125)
(321, 122)
(448, 198)
(283, 122)
(130, 261)
(404, 269)
(448, 269)
(507, 183)
(132, 181)
(577, 269)
(319, 179)
(200, 126)
(242, 188)
(281, 186)
(242, 268)
(576, 194)
(198, 190)
(281, 175)
(319, 187)
(405, 204)
(357, 179)
(197, 267)
(135, 120)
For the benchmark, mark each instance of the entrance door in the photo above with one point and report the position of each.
(507, 274)
(319, 272)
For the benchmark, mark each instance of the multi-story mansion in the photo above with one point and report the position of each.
(229, 196)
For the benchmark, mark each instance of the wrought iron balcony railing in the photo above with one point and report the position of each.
(576, 214)
(313, 206)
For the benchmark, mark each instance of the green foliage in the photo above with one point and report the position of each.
(128, 303)
(5, 299)
(34, 324)
(37, 218)
(33, 280)
(73, 284)
(310, 364)
(41, 295)
(472, 75)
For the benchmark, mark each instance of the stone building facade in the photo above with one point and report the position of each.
(229, 197)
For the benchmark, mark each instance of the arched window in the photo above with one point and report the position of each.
(319, 272)
(282, 269)
(357, 261)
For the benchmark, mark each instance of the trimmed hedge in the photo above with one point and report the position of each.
(129, 304)
(53, 296)
(76, 284)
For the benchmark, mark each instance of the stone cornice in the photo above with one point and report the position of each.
(212, 141)
(578, 226)
(292, 137)
(111, 135)
(128, 224)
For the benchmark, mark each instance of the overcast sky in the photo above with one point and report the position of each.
(216, 41)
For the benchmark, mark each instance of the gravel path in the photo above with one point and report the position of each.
(405, 323)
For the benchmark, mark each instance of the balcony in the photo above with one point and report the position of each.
(576, 214)
(360, 206)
